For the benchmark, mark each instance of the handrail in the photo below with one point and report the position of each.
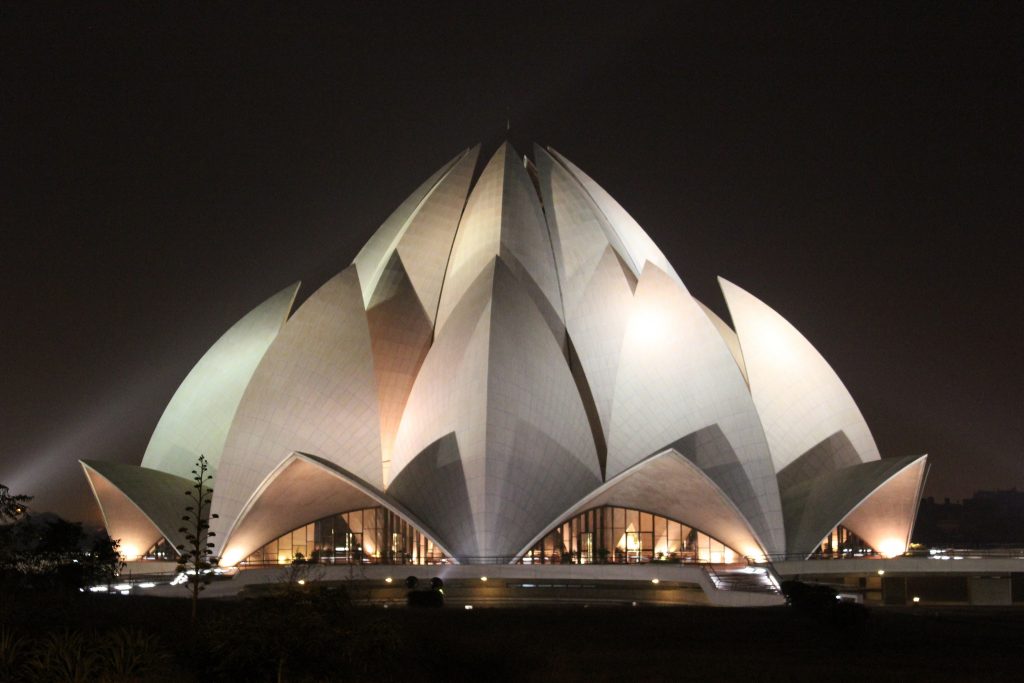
(933, 554)
(484, 560)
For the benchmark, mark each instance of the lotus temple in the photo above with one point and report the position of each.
(511, 374)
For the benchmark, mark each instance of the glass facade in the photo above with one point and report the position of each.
(161, 550)
(841, 542)
(368, 536)
(610, 534)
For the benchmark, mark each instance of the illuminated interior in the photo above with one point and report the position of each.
(841, 542)
(368, 536)
(161, 550)
(616, 535)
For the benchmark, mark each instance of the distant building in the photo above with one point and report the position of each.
(512, 371)
(986, 518)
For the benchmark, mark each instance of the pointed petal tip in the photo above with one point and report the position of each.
(471, 153)
(508, 148)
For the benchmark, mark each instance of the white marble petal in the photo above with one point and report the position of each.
(597, 287)
(426, 244)
(885, 519)
(677, 377)
(403, 305)
(302, 489)
(139, 505)
(670, 485)
(197, 420)
(314, 392)
(639, 247)
(879, 497)
(375, 254)
(729, 336)
(400, 335)
(496, 379)
(798, 395)
(503, 216)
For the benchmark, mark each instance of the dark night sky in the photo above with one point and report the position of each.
(164, 171)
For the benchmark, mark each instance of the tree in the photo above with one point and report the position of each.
(43, 552)
(12, 507)
(196, 553)
(105, 561)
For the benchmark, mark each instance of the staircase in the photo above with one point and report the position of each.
(743, 578)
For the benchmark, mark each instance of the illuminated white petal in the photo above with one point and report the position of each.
(314, 392)
(498, 380)
(375, 254)
(503, 216)
(197, 420)
(885, 519)
(139, 505)
(301, 490)
(799, 397)
(729, 336)
(597, 287)
(638, 246)
(676, 378)
(671, 485)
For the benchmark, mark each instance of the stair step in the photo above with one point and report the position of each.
(742, 578)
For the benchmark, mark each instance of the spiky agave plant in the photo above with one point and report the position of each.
(196, 557)
(128, 654)
(66, 656)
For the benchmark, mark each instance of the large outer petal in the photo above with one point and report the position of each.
(798, 395)
(197, 420)
(677, 377)
(300, 490)
(139, 505)
(879, 498)
(885, 519)
(497, 378)
(671, 485)
(314, 392)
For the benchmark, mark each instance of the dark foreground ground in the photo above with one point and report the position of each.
(308, 637)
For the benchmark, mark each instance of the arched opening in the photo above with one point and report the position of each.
(842, 543)
(608, 534)
(372, 535)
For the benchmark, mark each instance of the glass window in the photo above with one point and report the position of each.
(368, 535)
(615, 534)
